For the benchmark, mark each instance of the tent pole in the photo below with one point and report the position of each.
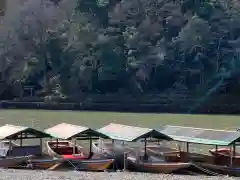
(74, 148)
(215, 157)
(41, 146)
(21, 139)
(90, 148)
(234, 149)
(125, 161)
(187, 151)
(231, 157)
(113, 144)
(145, 145)
(57, 143)
(145, 148)
(10, 147)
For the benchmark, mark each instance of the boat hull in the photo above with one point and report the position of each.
(90, 165)
(155, 167)
(78, 162)
(13, 162)
(42, 163)
(83, 165)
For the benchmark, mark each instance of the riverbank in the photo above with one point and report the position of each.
(72, 175)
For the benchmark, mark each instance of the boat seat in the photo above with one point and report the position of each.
(60, 145)
(26, 150)
(64, 150)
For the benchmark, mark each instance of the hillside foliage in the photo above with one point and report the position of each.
(65, 48)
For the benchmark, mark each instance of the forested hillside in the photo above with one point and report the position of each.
(66, 48)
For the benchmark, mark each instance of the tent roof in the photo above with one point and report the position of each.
(9, 131)
(68, 131)
(130, 133)
(201, 135)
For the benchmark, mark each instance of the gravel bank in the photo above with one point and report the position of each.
(48, 175)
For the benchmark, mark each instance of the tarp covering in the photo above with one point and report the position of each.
(68, 131)
(130, 133)
(9, 131)
(201, 135)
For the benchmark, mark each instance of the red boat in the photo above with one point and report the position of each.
(66, 150)
(223, 156)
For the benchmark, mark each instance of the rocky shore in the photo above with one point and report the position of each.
(73, 175)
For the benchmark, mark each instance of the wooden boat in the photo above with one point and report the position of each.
(170, 154)
(7, 161)
(14, 155)
(177, 155)
(90, 164)
(155, 166)
(107, 150)
(204, 164)
(152, 149)
(65, 164)
(100, 147)
(13, 162)
(223, 152)
(64, 151)
(223, 156)
(42, 163)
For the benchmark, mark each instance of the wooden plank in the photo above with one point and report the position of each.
(54, 166)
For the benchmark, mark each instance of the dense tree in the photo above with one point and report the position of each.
(137, 46)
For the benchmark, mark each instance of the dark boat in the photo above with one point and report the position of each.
(155, 166)
(152, 164)
(14, 155)
(220, 161)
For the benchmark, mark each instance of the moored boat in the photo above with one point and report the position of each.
(14, 162)
(226, 155)
(155, 166)
(223, 152)
(221, 161)
(65, 149)
(135, 161)
(72, 155)
(6, 160)
(14, 155)
(42, 163)
(90, 164)
(66, 164)
(111, 150)
(152, 165)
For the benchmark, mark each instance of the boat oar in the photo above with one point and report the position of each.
(54, 166)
